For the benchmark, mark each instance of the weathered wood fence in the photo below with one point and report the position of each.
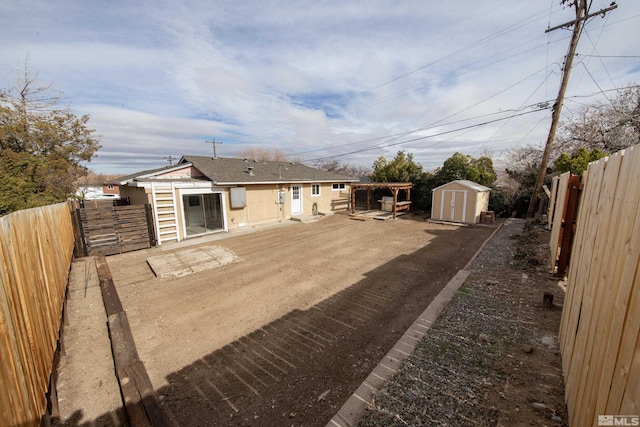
(563, 209)
(108, 229)
(600, 327)
(36, 247)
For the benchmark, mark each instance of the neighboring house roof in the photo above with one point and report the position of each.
(478, 188)
(230, 171)
(126, 178)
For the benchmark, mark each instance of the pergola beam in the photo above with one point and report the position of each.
(395, 187)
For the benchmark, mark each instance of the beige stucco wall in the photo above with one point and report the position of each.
(137, 195)
(261, 202)
(262, 206)
(323, 200)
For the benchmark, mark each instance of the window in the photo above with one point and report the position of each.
(109, 186)
(338, 187)
(315, 190)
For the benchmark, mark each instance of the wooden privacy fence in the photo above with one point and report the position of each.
(600, 327)
(36, 247)
(107, 229)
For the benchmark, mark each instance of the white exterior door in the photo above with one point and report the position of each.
(296, 200)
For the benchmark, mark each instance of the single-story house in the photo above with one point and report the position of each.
(201, 195)
(460, 201)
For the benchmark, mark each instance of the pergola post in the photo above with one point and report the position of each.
(353, 199)
(395, 201)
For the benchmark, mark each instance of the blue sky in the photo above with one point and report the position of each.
(314, 79)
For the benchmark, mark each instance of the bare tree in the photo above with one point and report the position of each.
(609, 125)
(263, 155)
(342, 168)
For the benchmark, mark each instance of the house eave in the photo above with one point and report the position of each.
(285, 181)
(174, 183)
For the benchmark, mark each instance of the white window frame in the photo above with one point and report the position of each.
(109, 186)
(198, 191)
(313, 187)
(338, 187)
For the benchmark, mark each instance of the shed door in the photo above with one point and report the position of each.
(454, 205)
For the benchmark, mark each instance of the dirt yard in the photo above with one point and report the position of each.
(284, 335)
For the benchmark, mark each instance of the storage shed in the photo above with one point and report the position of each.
(460, 201)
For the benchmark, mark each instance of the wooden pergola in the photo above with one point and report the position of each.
(395, 187)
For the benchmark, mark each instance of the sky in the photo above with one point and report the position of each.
(316, 80)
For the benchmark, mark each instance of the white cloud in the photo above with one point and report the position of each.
(309, 76)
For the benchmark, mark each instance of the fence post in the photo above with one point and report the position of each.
(83, 239)
(149, 214)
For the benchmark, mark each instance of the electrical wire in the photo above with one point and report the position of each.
(447, 117)
(542, 106)
(476, 125)
(522, 105)
(507, 30)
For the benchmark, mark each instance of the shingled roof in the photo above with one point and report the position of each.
(242, 171)
(122, 180)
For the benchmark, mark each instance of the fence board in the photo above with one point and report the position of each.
(560, 189)
(582, 250)
(612, 285)
(109, 230)
(552, 201)
(36, 248)
(599, 331)
(597, 290)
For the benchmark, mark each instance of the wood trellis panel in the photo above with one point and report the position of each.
(600, 327)
(116, 229)
(36, 247)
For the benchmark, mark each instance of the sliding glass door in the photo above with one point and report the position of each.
(202, 213)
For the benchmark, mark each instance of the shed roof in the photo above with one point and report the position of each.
(478, 188)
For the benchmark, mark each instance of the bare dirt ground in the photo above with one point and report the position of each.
(88, 392)
(286, 334)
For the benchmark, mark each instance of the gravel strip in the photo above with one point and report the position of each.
(449, 378)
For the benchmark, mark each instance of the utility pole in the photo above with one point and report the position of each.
(170, 159)
(214, 142)
(581, 16)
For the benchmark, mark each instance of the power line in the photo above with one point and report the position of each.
(507, 30)
(521, 106)
(542, 105)
(609, 56)
(395, 136)
(426, 137)
(582, 14)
